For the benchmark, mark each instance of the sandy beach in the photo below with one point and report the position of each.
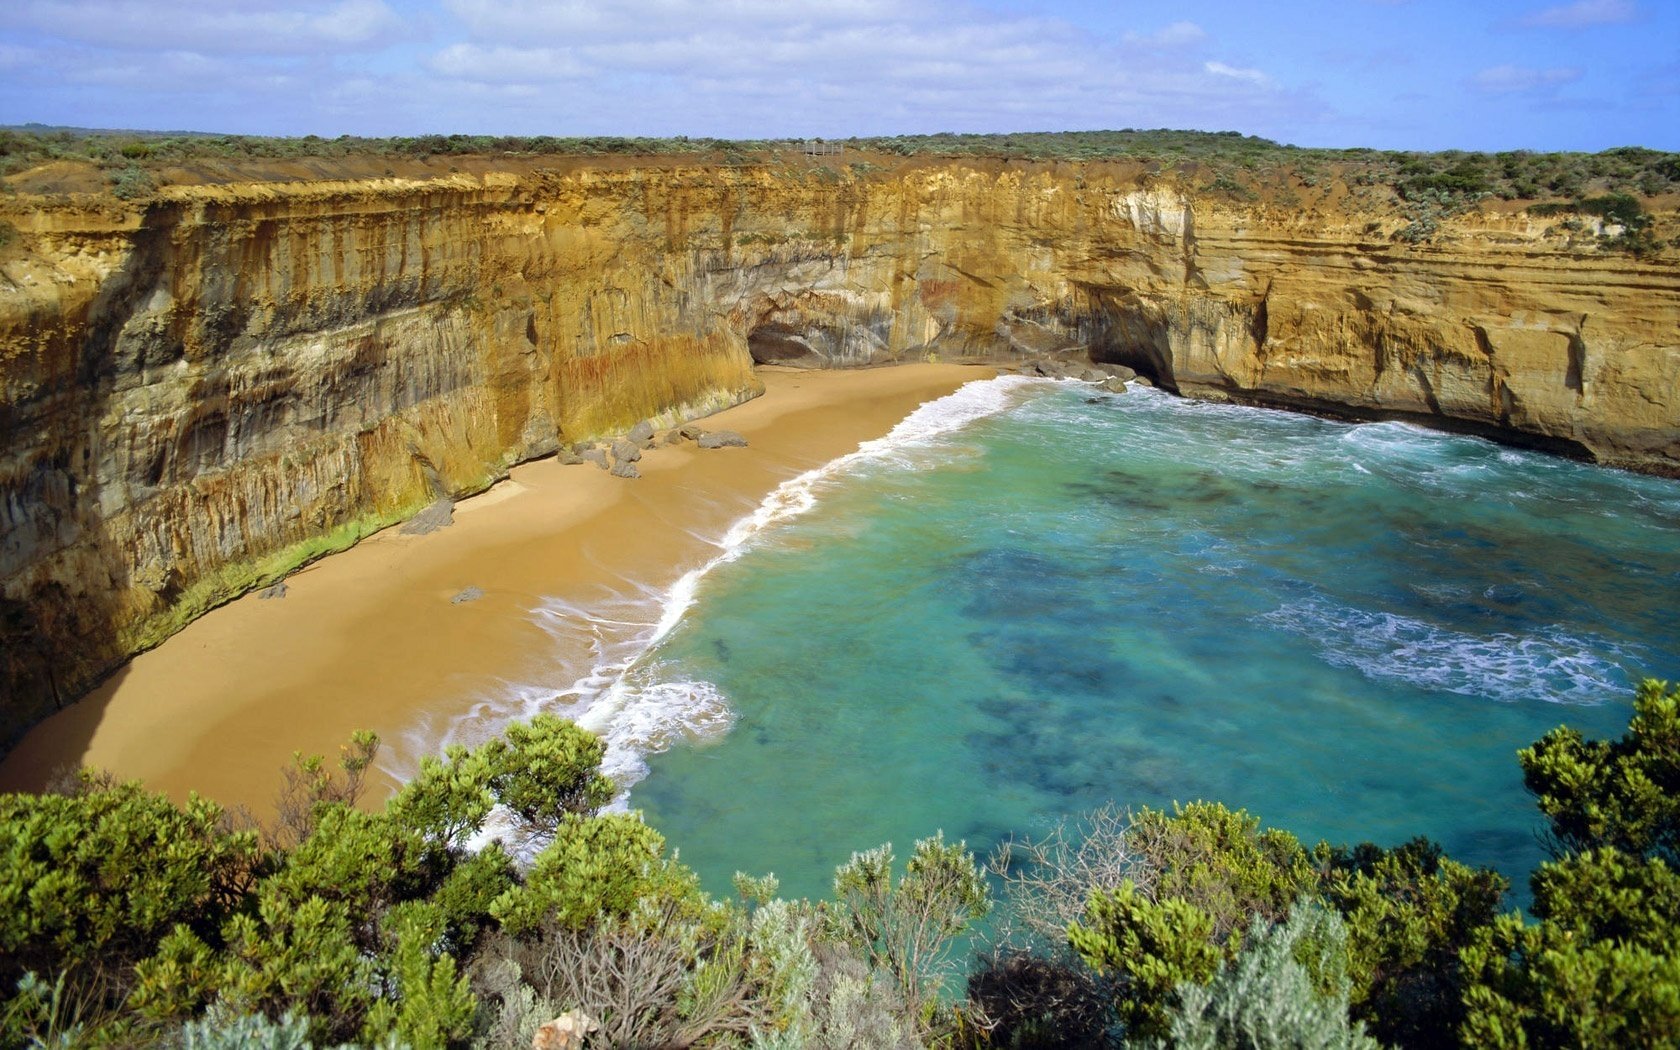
(371, 639)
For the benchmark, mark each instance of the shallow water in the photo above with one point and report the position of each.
(1032, 600)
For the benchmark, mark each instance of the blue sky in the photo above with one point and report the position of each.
(1393, 74)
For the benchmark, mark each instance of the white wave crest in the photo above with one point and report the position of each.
(1548, 665)
(638, 720)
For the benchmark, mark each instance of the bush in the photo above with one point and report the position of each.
(1623, 794)
(906, 928)
(131, 921)
(1410, 912)
(133, 182)
(1602, 965)
(1223, 862)
(350, 923)
(1036, 1001)
(1148, 949)
(91, 882)
(1288, 988)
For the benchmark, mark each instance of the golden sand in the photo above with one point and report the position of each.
(370, 639)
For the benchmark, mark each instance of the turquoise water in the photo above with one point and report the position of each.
(1346, 629)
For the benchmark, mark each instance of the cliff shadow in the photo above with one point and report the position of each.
(1120, 328)
(63, 599)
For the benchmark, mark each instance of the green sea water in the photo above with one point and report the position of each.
(1061, 599)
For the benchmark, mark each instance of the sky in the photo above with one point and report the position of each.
(1390, 74)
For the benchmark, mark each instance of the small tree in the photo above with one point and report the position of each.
(1623, 793)
(906, 929)
(309, 784)
(1602, 966)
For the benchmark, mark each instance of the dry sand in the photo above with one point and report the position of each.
(370, 639)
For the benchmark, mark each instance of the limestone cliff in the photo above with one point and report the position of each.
(200, 391)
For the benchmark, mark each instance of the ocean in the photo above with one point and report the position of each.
(1034, 597)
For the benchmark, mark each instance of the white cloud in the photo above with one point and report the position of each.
(272, 27)
(12, 57)
(744, 68)
(1179, 34)
(1252, 76)
(856, 66)
(1583, 13)
(571, 21)
(1512, 80)
(500, 64)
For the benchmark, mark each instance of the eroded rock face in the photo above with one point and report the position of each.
(197, 396)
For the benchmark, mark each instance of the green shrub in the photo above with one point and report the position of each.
(130, 921)
(1223, 862)
(1602, 965)
(1623, 794)
(1287, 989)
(133, 182)
(91, 882)
(1149, 949)
(1410, 911)
(905, 929)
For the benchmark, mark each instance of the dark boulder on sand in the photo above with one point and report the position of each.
(439, 515)
(722, 439)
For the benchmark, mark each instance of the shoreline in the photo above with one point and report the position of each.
(370, 638)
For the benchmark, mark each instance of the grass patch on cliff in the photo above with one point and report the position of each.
(1619, 211)
(233, 580)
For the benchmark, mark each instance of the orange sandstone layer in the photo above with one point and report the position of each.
(370, 639)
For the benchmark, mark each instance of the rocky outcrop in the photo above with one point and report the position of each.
(200, 392)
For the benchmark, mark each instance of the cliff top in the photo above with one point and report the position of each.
(34, 159)
(1625, 199)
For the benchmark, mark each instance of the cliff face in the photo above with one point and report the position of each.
(200, 393)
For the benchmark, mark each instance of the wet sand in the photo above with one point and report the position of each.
(370, 639)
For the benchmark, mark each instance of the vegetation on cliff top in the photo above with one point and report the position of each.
(133, 921)
(1227, 157)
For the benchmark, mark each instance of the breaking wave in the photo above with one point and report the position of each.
(1550, 665)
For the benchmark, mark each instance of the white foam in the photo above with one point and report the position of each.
(641, 719)
(620, 697)
(1549, 664)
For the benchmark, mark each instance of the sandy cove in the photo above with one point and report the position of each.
(370, 639)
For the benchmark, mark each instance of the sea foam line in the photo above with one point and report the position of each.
(1547, 664)
(621, 697)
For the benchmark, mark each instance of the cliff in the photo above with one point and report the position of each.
(202, 390)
